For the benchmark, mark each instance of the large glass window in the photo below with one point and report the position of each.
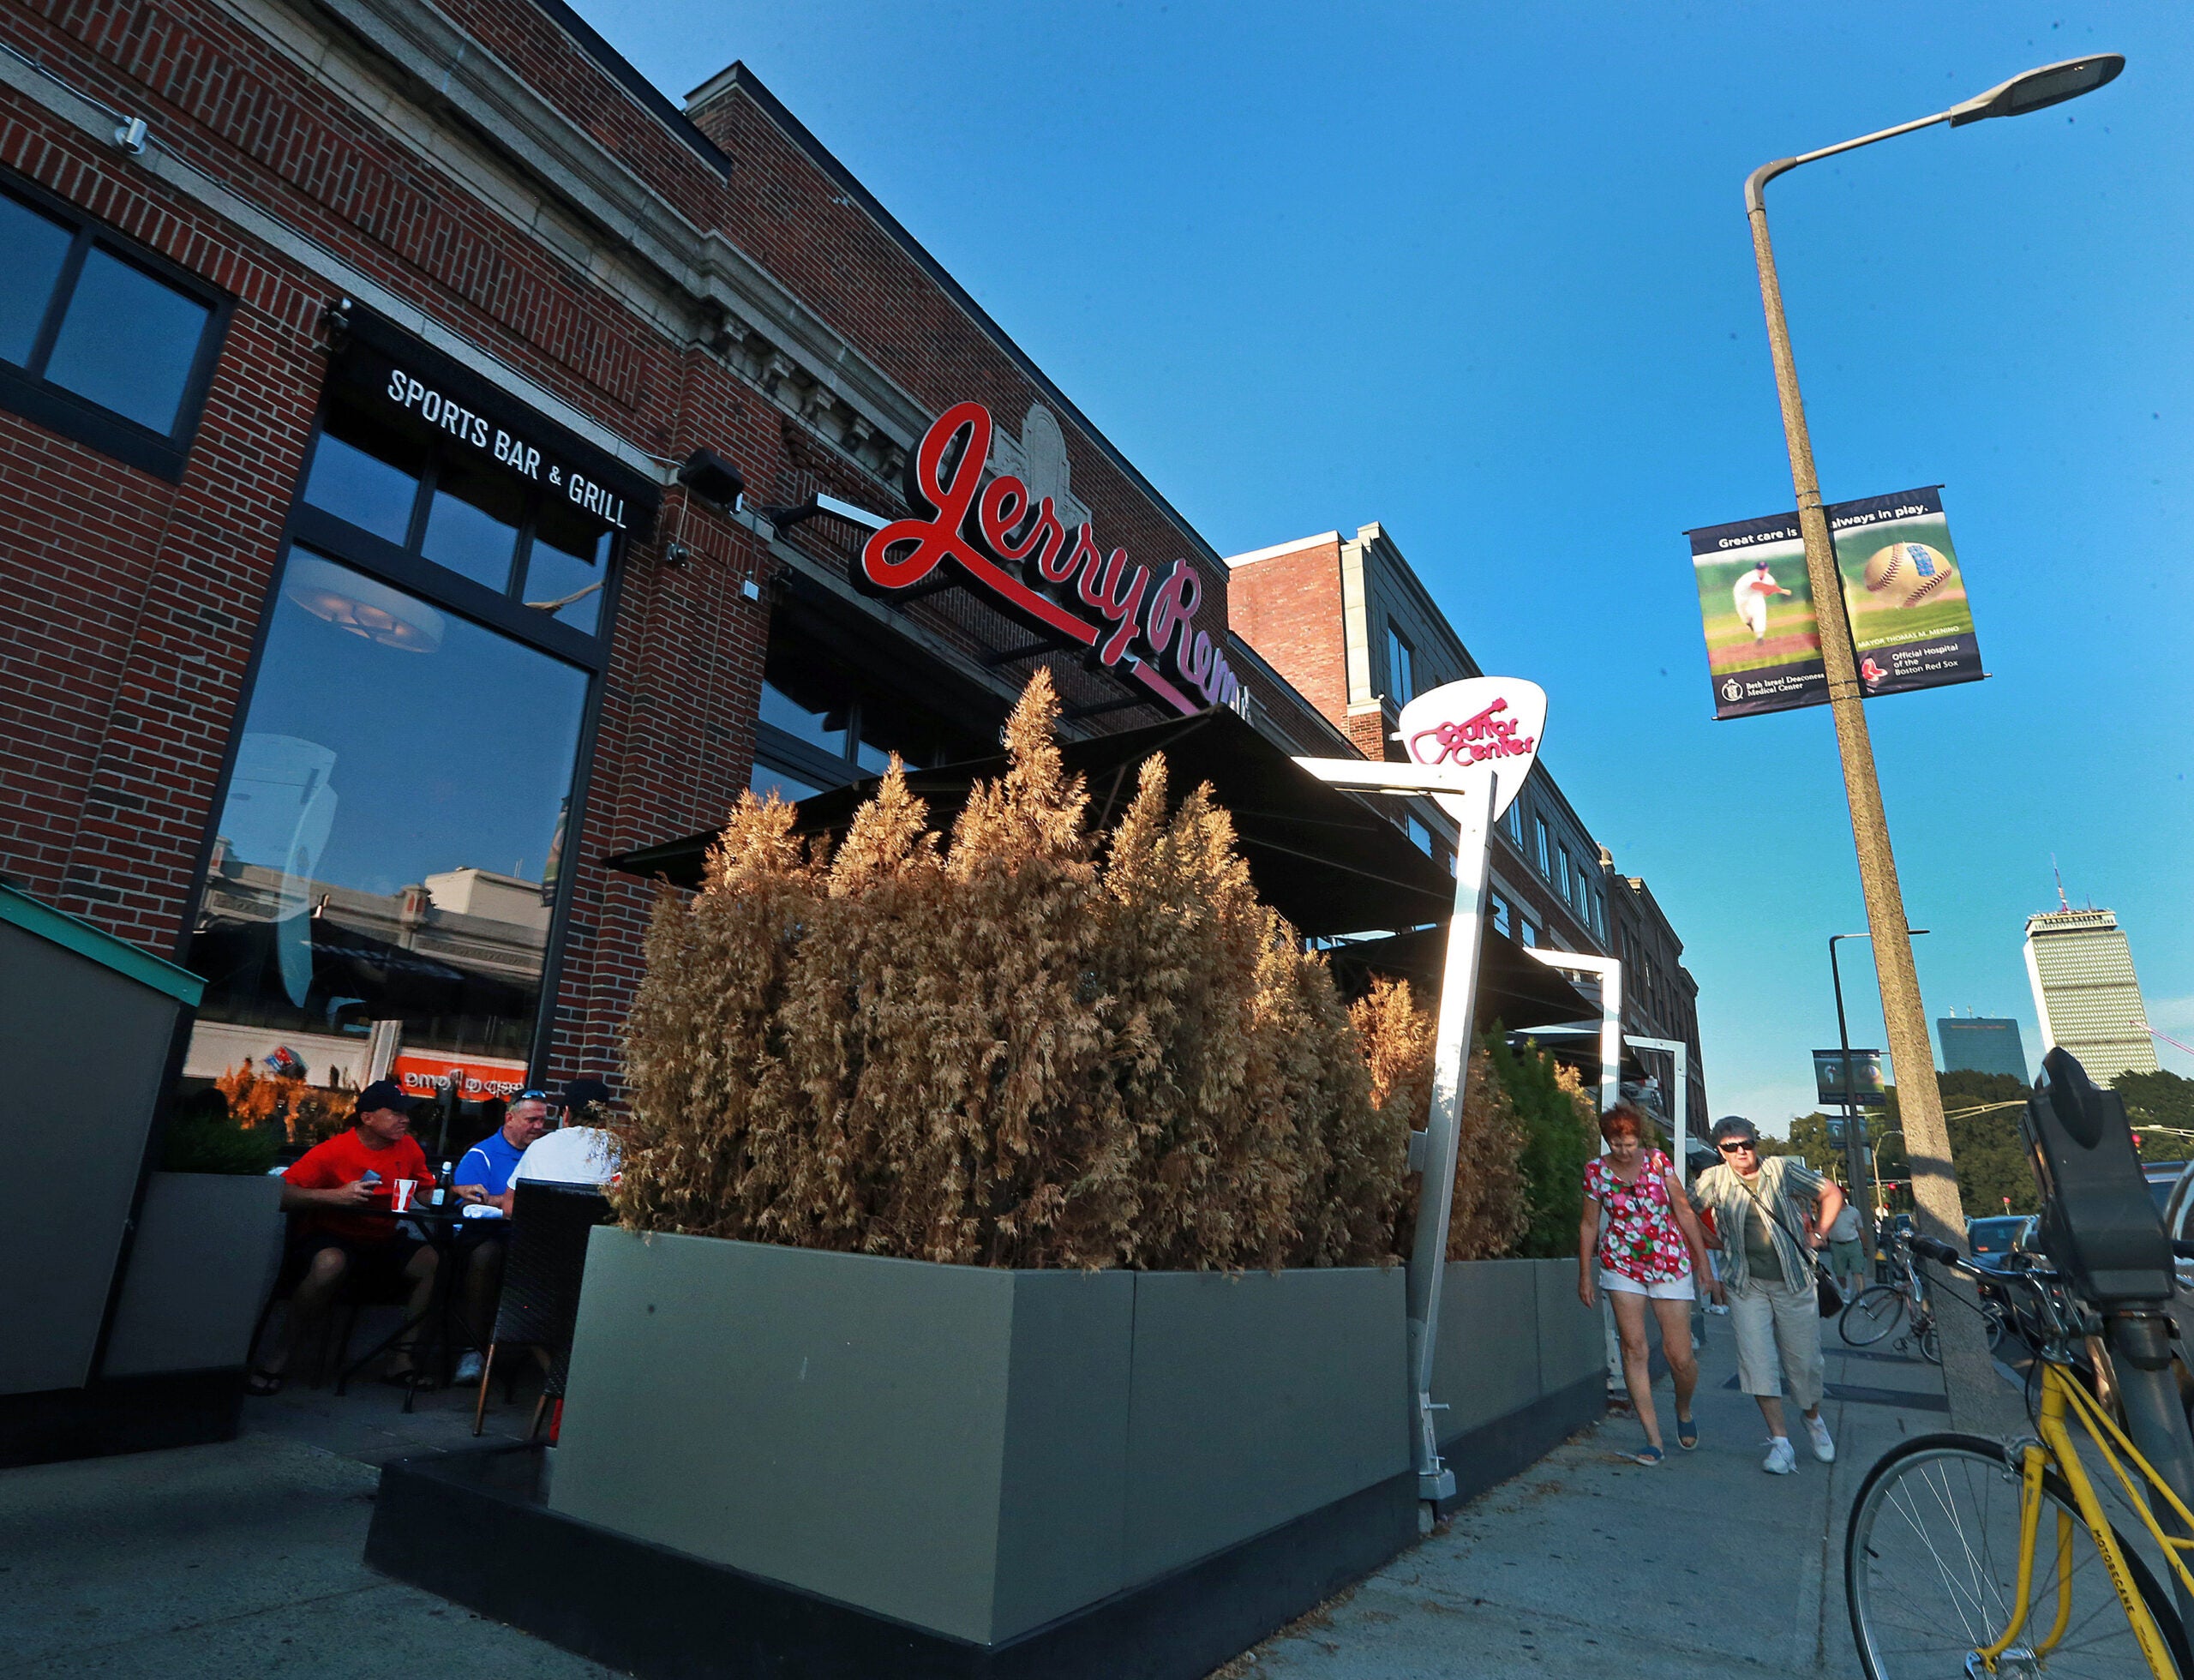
(384, 869)
(94, 332)
(823, 725)
(1402, 668)
(472, 518)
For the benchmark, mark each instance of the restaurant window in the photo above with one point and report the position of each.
(1420, 834)
(1546, 862)
(1527, 933)
(535, 550)
(1402, 668)
(1515, 817)
(822, 724)
(385, 863)
(1561, 873)
(1500, 913)
(99, 339)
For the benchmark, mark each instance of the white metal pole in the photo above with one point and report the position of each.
(1451, 1043)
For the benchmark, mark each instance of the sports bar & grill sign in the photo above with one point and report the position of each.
(1016, 549)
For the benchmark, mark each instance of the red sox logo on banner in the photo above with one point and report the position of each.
(1489, 725)
(1016, 550)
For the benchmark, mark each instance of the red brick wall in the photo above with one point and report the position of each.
(1288, 606)
(129, 606)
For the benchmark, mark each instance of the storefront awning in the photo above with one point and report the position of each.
(1514, 989)
(1322, 857)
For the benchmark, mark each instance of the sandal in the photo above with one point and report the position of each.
(1687, 1433)
(264, 1383)
(1648, 1456)
(408, 1376)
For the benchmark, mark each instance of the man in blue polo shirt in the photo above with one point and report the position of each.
(485, 1176)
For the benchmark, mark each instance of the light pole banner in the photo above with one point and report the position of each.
(1911, 625)
(1763, 647)
(1904, 591)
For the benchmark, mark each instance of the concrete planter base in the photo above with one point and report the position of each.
(475, 1528)
(207, 1248)
(974, 1451)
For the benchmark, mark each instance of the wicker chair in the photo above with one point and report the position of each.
(541, 1274)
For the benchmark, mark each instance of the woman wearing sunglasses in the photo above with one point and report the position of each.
(1639, 1225)
(1772, 1212)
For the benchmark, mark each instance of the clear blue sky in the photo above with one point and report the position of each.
(1482, 274)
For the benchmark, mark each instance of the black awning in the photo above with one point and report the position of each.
(1514, 989)
(1323, 858)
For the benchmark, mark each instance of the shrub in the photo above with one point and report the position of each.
(1003, 1051)
(302, 1113)
(200, 1137)
(1489, 1212)
(1561, 1134)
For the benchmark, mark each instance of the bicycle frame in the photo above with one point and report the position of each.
(2063, 1401)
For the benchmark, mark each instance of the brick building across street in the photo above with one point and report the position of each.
(1349, 625)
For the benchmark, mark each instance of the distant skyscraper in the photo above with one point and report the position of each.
(2085, 992)
(1981, 1044)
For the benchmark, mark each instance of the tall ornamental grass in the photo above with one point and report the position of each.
(1011, 1048)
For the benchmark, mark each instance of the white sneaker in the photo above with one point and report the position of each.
(1823, 1448)
(1718, 1309)
(1782, 1457)
(468, 1369)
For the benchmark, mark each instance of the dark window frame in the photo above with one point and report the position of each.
(37, 398)
(1401, 675)
(313, 529)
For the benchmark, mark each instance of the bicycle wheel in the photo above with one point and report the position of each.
(1872, 1316)
(1931, 1343)
(1931, 1560)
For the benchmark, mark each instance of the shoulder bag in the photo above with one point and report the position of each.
(1827, 1296)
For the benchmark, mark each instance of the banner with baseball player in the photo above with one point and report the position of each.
(1911, 626)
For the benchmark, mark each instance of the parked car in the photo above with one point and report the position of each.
(2163, 1177)
(1992, 1241)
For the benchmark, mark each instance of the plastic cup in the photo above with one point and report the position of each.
(400, 1197)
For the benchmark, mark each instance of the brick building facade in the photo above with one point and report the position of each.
(1349, 625)
(558, 279)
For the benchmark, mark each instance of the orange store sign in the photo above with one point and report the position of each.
(477, 1077)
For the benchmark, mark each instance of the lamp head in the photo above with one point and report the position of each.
(2032, 90)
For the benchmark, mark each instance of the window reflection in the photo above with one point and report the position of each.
(385, 851)
(472, 524)
(764, 781)
(368, 476)
(36, 247)
(128, 342)
(566, 570)
(808, 699)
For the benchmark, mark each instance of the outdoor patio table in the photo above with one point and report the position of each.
(445, 1229)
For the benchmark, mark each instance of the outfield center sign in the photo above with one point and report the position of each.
(1904, 593)
(1013, 548)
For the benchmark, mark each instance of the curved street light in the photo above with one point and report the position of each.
(1967, 1377)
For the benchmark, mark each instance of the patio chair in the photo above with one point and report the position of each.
(342, 1316)
(541, 1274)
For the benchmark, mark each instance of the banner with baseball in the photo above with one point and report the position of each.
(1911, 625)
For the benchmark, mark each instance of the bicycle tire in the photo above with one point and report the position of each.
(1873, 1313)
(1912, 1604)
(1931, 1344)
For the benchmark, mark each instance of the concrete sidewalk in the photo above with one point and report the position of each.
(1588, 1565)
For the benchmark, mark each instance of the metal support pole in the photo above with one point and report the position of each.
(1854, 1151)
(1969, 1381)
(2140, 1344)
(1428, 1265)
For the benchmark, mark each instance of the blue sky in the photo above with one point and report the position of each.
(1482, 274)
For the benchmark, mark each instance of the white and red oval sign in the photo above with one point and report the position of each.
(1490, 725)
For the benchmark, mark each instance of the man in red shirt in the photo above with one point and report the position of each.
(339, 1193)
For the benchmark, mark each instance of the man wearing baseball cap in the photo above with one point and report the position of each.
(338, 1197)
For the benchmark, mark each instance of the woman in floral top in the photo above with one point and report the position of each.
(1650, 1248)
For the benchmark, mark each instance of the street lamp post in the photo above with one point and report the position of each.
(1967, 1378)
(1853, 1151)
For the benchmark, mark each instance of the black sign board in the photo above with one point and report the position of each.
(389, 368)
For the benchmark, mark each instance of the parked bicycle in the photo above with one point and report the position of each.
(1901, 1304)
(1966, 1556)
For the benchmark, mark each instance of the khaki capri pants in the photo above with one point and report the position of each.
(1778, 1342)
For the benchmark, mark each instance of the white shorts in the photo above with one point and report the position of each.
(1676, 1289)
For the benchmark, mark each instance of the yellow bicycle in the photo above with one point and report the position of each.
(1968, 1557)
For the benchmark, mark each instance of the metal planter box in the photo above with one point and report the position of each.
(975, 1452)
(207, 1245)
